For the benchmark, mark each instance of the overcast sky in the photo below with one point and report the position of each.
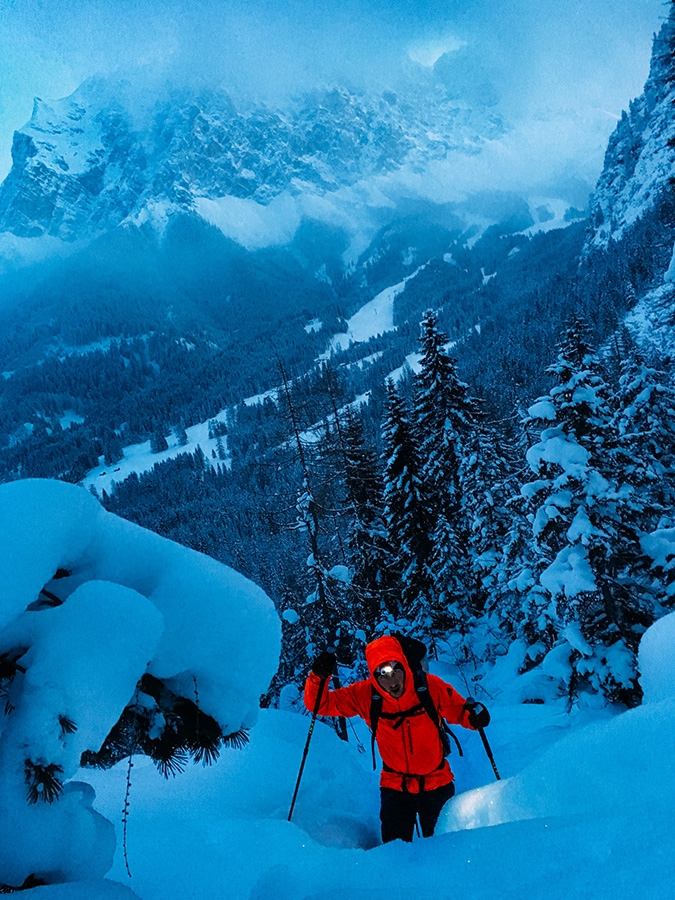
(561, 61)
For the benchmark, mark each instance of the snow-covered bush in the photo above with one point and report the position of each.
(113, 640)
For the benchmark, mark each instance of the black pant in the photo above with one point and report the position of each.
(399, 809)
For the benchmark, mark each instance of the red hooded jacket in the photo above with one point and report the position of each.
(411, 748)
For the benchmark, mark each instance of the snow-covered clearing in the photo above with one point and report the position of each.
(411, 364)
(549, 213)
(259, 399)
(366, 361)
(70, 417)
(376, 317)
(139, 458)
(317, 431)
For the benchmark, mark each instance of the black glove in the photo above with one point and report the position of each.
(324, 664)
(479, 717)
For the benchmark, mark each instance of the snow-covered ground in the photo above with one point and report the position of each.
(411, 364)
(91, 604)
(584, 810)
(375, 317)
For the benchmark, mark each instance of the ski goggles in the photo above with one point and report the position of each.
(388, 669)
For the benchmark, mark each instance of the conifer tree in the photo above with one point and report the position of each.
(405, 511)
(645, 422)
(585, 529)
(158, 442)
(325, 618)
(370, 554)
(445, 425)
(445, 416)
(484, 475)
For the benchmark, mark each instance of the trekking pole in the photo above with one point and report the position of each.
(315, 713)
(474, 704)
(488, 750)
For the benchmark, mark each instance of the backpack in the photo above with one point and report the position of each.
(415, 653)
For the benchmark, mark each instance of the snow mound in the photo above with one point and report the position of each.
(656, 660)
(83, 890)
(90, 604)
(216, 832)
(599, 768)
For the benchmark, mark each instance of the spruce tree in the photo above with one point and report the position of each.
(370, 554)
(405, 512)
(484, 479)
(585, 524)
(445, 416)
(445, 424)
(645, 421)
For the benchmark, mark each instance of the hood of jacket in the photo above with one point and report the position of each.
(386, 649)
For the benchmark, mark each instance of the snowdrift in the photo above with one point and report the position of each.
(588, 818)
(91, 603)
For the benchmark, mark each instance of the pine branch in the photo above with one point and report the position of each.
(32, 881)
(67, 726)
(43, 781)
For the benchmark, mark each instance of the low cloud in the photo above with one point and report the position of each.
(550, 64)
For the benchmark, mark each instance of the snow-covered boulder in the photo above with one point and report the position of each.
(90, 604)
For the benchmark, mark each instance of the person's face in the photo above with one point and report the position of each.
(391, 678)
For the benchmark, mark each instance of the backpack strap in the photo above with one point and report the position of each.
(375, 713)
(427, 702)
(426, 705)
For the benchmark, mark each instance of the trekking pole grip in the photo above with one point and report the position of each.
(315, 713)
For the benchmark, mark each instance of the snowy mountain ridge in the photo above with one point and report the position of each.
(98, 158)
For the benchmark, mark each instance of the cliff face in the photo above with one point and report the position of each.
(640, 159)
(102, 156)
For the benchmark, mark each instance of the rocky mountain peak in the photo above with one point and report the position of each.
(105, 155)
(640, 155)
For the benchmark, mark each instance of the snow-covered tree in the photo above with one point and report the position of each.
(370, 554)
(645, 421)
(158, 441)
(444, 422)
(405, 510)
(585, 524)
(485, 486)
(445, 416)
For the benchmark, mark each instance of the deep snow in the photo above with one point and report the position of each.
(89, 604)
(584, 808)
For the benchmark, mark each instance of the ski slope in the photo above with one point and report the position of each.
(375, 317)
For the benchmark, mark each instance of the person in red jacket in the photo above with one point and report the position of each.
(416, 780)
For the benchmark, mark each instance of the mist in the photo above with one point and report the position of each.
(562, 70)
